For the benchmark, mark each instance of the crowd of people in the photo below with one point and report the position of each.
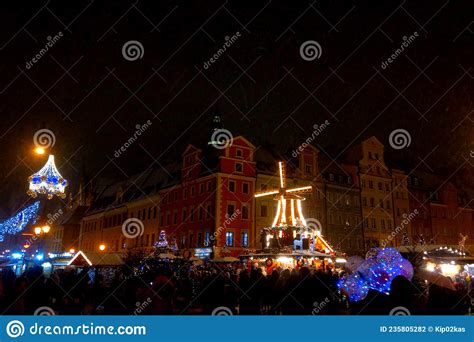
(183, 288)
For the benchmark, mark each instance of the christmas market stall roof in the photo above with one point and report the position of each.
(93, 259)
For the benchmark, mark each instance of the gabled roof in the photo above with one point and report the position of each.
(190, 149)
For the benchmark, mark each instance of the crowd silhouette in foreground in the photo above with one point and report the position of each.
(187, 289)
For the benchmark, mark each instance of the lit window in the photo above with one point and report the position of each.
(245, 239)
(229, 239)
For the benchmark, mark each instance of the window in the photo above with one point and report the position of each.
(387, 187)
(232, 186)
(382, 222)
(245, 239)
(388, 205)
(363, 183)
(245, 188)
(201, 188)
(176, 196)
(208, 211)
(192, 191)
(377, 156)
(372, 202)
(380, 186)
(364, 201)
(206, 237)
(175, 217)
(209, 186)
(238, 153)
(191, 240)
(245, 212)
(184, 215)
(152, 239)
(239, 167)
(229, 239)
(230, 209)
(149, 213)
(154, 212)
(199, 240)
(373, 223)
(201, 213)
(185, 193)
(191, 215)
(370, 155)
(263, 211)
(371, 184)
(331, 177)
(308, 169)
(168, 218)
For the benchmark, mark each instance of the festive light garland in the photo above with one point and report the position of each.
(19, 221)
(47, 181)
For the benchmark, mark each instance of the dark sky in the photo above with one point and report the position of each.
(91, 97)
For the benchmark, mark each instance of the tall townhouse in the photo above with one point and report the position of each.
(376, 191)
(211, 204)
(401, 209)
(344, 212)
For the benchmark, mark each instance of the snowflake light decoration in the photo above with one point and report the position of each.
(47, 181)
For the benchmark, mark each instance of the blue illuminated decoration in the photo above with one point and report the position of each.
(376, 272)
(19, 221)
(47, 181)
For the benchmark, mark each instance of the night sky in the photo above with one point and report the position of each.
(91, 97)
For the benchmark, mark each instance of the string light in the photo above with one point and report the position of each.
(19, 221)
(47, 181)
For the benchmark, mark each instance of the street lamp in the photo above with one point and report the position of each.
(42, 230)
(39, 150)
(102, 247)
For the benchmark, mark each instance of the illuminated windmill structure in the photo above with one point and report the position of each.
(289, 222)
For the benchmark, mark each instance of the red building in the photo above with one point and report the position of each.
(211, 204)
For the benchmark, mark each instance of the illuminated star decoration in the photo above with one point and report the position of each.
(376, 272)
(19, 221)
(47, 181)
(289, 216)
